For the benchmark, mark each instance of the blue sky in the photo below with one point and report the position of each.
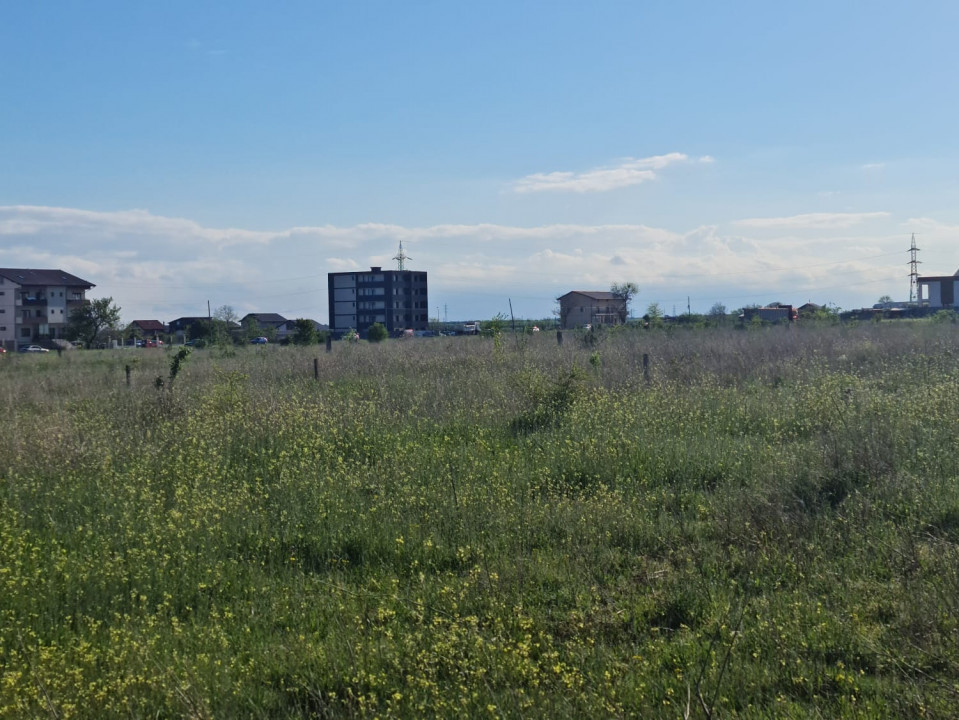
(236, 152)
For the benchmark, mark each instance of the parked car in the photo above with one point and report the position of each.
(3, 350)
(153, 343)
(33, 349)
(259, 341)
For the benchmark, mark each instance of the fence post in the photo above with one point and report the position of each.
(316, 368)
(559, 337)
(127, 371)
(329, 343)
(646, 367)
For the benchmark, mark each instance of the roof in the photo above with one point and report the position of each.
(594, 295)
(24, 276)
(265, 318)
(149, 325)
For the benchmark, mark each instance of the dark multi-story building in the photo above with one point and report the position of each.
(395, 298)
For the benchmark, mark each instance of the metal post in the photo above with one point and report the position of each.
(127, 370)
(329, 343)
(646, 368)
(559, 337)
(316, 368)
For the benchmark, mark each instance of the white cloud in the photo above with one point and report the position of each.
(629, 171)
(163, 268)
(816, 221)
(873, 167)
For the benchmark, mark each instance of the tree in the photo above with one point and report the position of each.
(87, 321)
(225, 321)
(561, 313)
(717, 310)
(227, 314)
(627, 291)
(377, 333)
(304, 333)
(885, 299)
(654, 315)
(251, 328)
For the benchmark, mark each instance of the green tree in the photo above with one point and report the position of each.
(305, 332)
(654, 315)
(495, 325)
(91, 318)
(885, 299)
(377, 333)
(627, 291)
(250, 329)
(717, 310)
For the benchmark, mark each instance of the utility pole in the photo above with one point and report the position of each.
(401, 258)
(914, 263)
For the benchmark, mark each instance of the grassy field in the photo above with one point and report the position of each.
(490, 528)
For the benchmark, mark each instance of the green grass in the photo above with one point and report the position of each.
(467, 527)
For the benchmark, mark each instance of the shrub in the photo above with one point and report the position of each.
(377, 333)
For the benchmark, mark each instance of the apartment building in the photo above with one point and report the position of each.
(35, 305)
(395, 298)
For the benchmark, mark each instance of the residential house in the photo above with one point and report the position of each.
(264, 320)
(939, 291)
(397, 299)
(148, 328)
(578, 308)
(35, 305)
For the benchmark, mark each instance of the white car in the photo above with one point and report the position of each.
(33, 349)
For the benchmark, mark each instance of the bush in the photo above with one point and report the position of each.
(377, 333)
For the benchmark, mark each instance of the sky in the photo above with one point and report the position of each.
(233, 153)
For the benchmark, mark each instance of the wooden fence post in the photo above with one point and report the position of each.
(316, 368)
(329, 343)
(127, 371)
(559, 337)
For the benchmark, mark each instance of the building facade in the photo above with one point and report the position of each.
(939, 291)
(395, 298)
(579, 308)
(35, 305)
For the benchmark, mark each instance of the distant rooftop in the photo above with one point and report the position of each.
(26, 276)
(595, 294)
